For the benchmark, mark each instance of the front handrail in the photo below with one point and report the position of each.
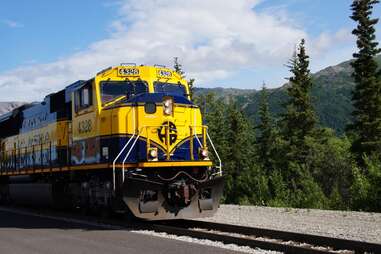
(198, 140)
(215, 151)
(117, 157)
(128, 154)
(214, 148)
(124, 148)
(136, 137)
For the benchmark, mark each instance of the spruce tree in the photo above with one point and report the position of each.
(179, 69)
(299, 120)
(240, 156)
(299, 134)
(191, 87)
(366, 97)
(265, 140)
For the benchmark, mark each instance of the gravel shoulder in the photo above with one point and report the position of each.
(341, 224)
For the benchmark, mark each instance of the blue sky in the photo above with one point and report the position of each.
(45, 45)
(315, 16)
(46, 30)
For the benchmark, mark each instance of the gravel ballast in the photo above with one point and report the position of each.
(341, 224)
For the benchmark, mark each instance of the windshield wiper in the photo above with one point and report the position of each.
(117, 99)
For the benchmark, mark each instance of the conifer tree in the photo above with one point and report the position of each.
(299, 120)
(299, 133)
(191, 87)
(179, 69)
(266, 130)
(367, 94)
(239, 158)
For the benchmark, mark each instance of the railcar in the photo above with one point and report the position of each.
(129, 140)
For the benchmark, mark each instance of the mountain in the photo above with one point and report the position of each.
(9, 106)
(331, 95)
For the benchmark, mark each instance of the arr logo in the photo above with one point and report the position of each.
(162, 132)
(84, 126)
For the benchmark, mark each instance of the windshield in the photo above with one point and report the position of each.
(174, 89)
(113, 90)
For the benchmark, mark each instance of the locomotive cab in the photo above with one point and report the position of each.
(152, 135)
(129, 138)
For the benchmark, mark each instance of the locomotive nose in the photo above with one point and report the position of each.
(163, 121)
(177, 200)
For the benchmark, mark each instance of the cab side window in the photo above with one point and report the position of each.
(84, 97)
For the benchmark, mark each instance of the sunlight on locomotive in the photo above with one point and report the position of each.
(128, 139)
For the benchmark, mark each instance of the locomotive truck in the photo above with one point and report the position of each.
(128, 140)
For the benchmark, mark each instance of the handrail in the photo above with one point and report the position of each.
(194, 126)
(136, 136)
(16, 159)
(215, 151)
(117, 157)
(128, 154)
(133, 145)
(198, 140)
(211, 142)
(124, 148)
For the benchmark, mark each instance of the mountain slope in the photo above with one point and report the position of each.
(9, 106)
(331, 95)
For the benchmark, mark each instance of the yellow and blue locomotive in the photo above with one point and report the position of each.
(129, 139)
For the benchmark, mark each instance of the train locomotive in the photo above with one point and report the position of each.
(128, 140)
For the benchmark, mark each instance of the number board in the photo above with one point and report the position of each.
(84, 126)
(162, 73)
(128, 71)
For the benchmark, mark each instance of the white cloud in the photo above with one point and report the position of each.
(328, 40)
(329, 49)
(213, 40)
(12, 23)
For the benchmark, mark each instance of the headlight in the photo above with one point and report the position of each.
(167, 103)
(204, 153)
(152, 153)
(167, 111)
(168, 106)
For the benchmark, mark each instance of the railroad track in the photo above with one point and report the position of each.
(267, 239)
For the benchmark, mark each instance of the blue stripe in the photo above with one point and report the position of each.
(139, 152)
(158, 97)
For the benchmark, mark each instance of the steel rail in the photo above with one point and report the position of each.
(267, 239)
(279, 239)
(241, 241)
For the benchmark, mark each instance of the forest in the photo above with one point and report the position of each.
(289, 158)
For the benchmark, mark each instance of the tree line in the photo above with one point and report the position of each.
(288, 160)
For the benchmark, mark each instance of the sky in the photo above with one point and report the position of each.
(47, 45)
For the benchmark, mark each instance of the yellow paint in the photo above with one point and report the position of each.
(101, 120)
(154, 164)
(53, 134)
(119, 120)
